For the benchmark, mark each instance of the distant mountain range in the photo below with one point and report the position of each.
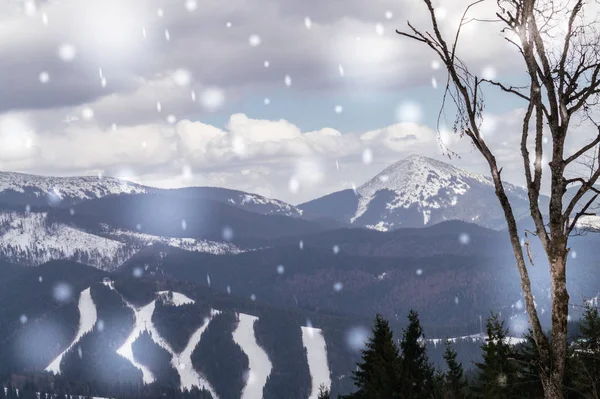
(422, 234)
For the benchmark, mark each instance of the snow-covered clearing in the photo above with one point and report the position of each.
(474, 338)
(188, 244)
(259, 367)
(87, 320)
(314, 342)
(178, 298)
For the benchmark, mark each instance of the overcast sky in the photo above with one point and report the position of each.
(290, 99)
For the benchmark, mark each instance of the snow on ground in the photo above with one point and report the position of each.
(87, 320)
(189, 244)
(314, 342)
(474, 338)
(178, 298)
(142, 317)
(182, 362)
(259, 364)
(29, 238)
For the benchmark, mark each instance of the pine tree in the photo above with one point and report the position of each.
(417, 377)
(497, 375)
(377, 374)
(587, 353)
(454, 382)
(324, 393)
(528, 372)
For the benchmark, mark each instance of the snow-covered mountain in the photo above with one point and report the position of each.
(416, 192)
(24, 189)
(18, 189)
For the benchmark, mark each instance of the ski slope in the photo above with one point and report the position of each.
(87, 320)
(314, 342)
(259, 367)
(182, 362)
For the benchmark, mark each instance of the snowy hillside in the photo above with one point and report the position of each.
(419, 191)
(30, 239)
(22, 189)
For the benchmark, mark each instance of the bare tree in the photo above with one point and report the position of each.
(560, 49)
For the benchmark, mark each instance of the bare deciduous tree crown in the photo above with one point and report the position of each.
(560, 48)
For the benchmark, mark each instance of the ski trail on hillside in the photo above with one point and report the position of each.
(87, 320)
(259, 365)
(126, 350)
(314, 342)
(182, 362)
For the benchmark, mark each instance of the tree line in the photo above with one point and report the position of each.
(391, 370)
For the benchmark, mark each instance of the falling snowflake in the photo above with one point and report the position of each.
(339, 109)
(160, 12)
(72, 212)
(367, 156)
(288, 80)
(212, 98)
(45, 19)
(574, 254)
(138, 226)
(280, 269)
(336, 249)
(338, 286)
(294, 185)
(419, 272)
(23, 319)
(30, 8)
(193, 95)
(227, 233)
(238, 145)
(489, 73)
(40, 279)
(307, 22)
(379, 29)
(254, 40)
(441, 13)
(171, 119)
(384, 178)
(229, 290)
(228, 24)
(167, 35)
(144, 34)
(434, 83)
(456, 300)
(389, 15)
(253, 297)
(301, 244)
(337, 164)
(137, 272)
(67, 52)
(266, 64)
(158, 106)
(208, 279)
(356, 338)
(62, 292)
(182, 77)
(409, 112)
(44, 77)
(341, 70)
(191, 5)
(435, 65)
(464, 239)
(267, 101)
(100, 325)
(87, 113)
(183, 224)
(80, 352)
